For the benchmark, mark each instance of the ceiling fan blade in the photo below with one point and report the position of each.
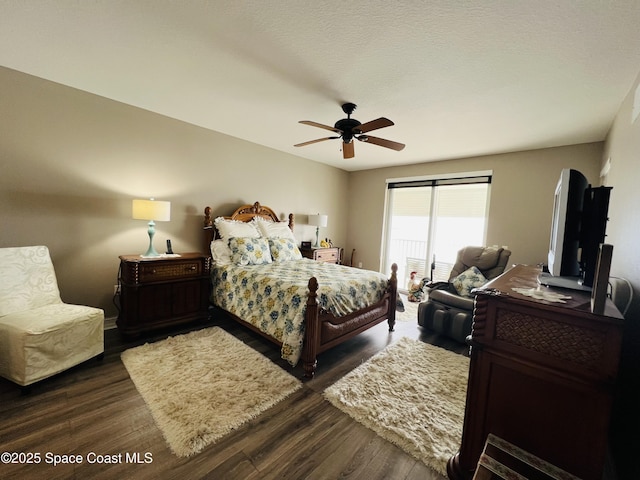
(314, 141)
(320, 125)
(382, 142)
(374, 125)
(348, 150)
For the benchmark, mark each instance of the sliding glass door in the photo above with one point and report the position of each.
(428, 221)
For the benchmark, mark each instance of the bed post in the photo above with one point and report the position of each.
(311, 331)
(393, 297)
(208, 230)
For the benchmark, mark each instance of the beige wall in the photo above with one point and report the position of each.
(71, 163)
(623, 148)
(520, 205)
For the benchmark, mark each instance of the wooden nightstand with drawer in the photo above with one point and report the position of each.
(330, 254)
(160, 292)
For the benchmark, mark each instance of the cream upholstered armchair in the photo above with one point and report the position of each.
(448, 309)
(40, 335)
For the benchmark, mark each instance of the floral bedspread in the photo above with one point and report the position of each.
(273, 297)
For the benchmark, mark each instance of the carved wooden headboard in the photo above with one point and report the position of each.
(244, 213)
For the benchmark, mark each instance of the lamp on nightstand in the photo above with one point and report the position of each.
(152, 210)
(318, 221)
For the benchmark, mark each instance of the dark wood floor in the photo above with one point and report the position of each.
(95, 409)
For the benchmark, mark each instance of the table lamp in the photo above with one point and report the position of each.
(318, 221)
(151, 210)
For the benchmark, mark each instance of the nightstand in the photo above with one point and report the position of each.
(322, 254)
(163, 291)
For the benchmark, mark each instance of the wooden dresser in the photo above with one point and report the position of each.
(541, 376)
(322, 254)
(161, 292)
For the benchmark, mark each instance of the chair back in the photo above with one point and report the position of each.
(491, 261)
(621, 293)
(27, 279)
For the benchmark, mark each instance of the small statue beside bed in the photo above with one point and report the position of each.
(416, 287)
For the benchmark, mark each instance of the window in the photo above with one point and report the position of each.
(429, 220)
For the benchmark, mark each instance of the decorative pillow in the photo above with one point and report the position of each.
(249, 251)
(233, 228)
(220, 252)
(283, 249)
(273, 229)
(467, 281)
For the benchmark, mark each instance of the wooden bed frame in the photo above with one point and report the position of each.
(322, 329)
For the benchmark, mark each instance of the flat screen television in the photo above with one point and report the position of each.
(578, 228)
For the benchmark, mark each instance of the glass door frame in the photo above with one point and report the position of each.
(388, 209)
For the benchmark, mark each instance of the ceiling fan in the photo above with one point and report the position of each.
(350, 128)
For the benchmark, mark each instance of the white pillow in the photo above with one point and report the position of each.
(274, 229)
(220, 252)
(233, 228)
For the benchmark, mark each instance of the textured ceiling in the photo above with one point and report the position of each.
(457, 78)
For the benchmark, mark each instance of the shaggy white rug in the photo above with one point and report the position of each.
(410, 313)
(202, 385)
(411, 394)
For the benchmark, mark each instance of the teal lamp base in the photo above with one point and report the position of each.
(151, 252)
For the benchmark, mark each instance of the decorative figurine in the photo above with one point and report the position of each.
(416, 288)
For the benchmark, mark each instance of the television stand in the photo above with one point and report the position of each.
(542, 376)
(572, 283)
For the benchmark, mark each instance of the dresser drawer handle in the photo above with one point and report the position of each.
(192, 267)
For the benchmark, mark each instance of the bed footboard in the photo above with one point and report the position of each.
(314, 343)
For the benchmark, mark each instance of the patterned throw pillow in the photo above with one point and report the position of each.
(249, 251)
(467, 281)
(283, 249)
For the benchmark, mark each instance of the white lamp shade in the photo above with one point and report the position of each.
(151, 210)
(318, 220)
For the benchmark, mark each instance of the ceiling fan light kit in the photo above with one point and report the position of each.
(350, 128)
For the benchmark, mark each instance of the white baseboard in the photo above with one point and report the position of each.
(110, 323)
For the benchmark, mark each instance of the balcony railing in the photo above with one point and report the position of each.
(410, 255)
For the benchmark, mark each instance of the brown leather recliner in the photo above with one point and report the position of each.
(445, 311)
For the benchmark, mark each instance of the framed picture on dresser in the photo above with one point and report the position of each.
(305, 245)
(601, 278)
